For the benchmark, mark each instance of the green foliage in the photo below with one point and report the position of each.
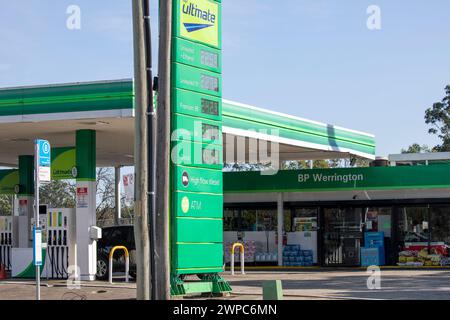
(230, 167)
(295, 165)
(302, 164)
(58, 194)
(106, 197)
(438, 117)
(417, 148)
(5, 204)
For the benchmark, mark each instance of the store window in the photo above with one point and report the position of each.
(230, 219)
(342, 236)
(248, 220)
(378, 219)
(240, 219)
(287, 220)
(266, 220)
(413, 224)
(423, 235)
(304, 219)
(440, 225)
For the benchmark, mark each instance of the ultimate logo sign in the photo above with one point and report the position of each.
(199, 21)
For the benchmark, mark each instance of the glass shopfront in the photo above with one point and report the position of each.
(414, 234)
(256, 228)
(342, 236)
(423, 235)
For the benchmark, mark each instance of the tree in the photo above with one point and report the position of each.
(417, 148)
(5, 204)
(106, 197)
(58, 194)
(438, 117)
(105, 194)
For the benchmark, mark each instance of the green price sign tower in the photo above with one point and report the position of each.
(196, 234)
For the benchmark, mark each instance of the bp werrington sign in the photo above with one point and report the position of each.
(373, 178)
(333, 177)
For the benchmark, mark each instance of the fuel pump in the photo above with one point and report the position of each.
(6, 241)
(60, 243)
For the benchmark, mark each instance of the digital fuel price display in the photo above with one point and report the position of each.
(210, 107)
(210, 83)
(197, 80)
(209, 59)
(210, 132)
(197, 55)
(211, 156)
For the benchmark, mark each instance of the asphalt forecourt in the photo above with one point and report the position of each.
(308, 285)
(347, 285)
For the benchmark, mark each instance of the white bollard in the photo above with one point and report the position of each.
(241, 249)
(127, 268)
(242, 262)
(232, 264)
(110, 269)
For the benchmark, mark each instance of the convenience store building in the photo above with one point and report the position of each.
(332, 211)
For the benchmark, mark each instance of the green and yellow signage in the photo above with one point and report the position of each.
(63, 163)
(198, 21)
(9, 179)
(197, 160)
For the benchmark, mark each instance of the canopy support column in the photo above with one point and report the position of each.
(117, 192)
(280, 224)
(86, 204)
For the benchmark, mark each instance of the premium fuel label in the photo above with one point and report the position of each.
(197, 105)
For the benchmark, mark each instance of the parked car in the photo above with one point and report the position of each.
(111, 237)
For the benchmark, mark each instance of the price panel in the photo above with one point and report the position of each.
(210, 132)
(210, 156)
(197, 105)
(197, 80)
(209, 83)
(210, 107)
(197, 55)
(209, 59)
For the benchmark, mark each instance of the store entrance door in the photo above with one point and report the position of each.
(342, 236)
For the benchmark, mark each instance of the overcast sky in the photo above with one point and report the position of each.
(311, 58)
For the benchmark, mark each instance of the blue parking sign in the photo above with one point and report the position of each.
(44, 153)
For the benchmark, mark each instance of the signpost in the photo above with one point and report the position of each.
(196, 126)
(42, 174)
